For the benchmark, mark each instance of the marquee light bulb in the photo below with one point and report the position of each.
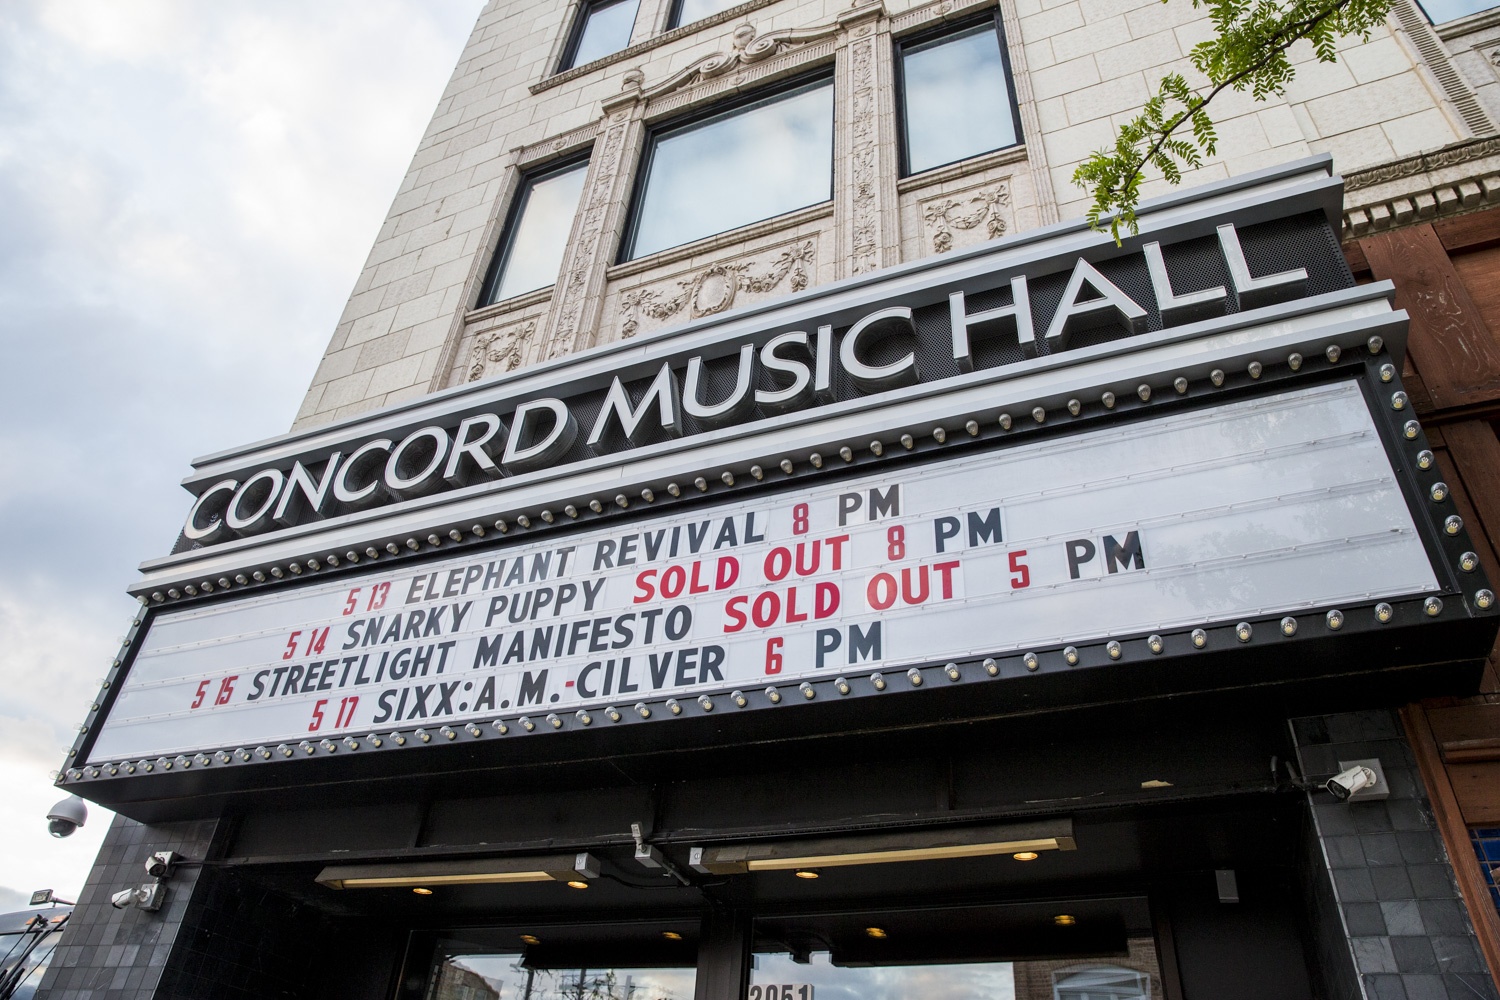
(1039, 414)
(284, 750)
(972, 426)
(1398, 400)
(816, 460)
(596, 505)
(1294, 361)
(1243, 632)
(351, 743)
(1070, 654)
(727, 477)
(1411, 429)
(434, 540)
(1288, 626)
(808, 691)
(1424, 459)
(757, 473)
(991, 667)
(1200, 638)
(1075, 407)
(1031, 661)
(908, 442)
(448, 733)
(1155, 644)
(1468, 562)
(1335, 619)
(1332, 353)
(841, 685)
(1384, 612)
(706, 703)
(939, 435)
(1255, 369)
(1144, 391)
(547, 516)
(846, 453)
(622, 501)
(1004, 421)
(613, 714)
(423, 735)
(263, 753)
(701, 483)
(306, 747)
(374, 740)
(527, 724)
(1387, 372)
(500, 727)
(648, 495)
(554, 721)
(1433, 606)
(877, 679)
(643, 710)
(1439, 492)
(673, 707)
(786, 466)
(1108, 399)
(773, 695)
(1216, 377)
(915, 676)
(877, 449)
(952, 671)
(224, 582)
(738, 697)
(584, 717)
(1484, 599)
(329, 746)
(1453, 524)
(1113, 648)
(398, 739)
(674, 489)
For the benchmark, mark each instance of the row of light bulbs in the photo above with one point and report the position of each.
(477, 531)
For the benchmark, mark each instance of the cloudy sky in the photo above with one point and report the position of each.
(187, 192)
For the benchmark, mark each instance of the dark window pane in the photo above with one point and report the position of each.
(689, 11)
(539, 234)
(606, 29)
(752, 164)
(957, 99)
(504, 977)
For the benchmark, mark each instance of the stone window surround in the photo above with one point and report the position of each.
(754, 62)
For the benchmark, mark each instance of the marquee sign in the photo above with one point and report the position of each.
(1248, 508)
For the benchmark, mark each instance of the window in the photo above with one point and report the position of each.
(536, 234)
(688, 11)
(956, 97)
(1442, 11)
(603, 26)
(717, 173)
(1101, 982)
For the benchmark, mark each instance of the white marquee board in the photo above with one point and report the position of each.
(1242, 509)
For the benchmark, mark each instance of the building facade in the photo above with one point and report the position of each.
(795, 555)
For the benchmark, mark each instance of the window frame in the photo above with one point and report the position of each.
(525, 183)
(903, 142)
(703, 116)
(581, 17)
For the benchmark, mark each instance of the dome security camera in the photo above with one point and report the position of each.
(67, 816)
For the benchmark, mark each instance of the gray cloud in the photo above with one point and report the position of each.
(187, 193)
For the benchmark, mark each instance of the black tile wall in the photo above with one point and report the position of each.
(110, 954)
(1407, 931)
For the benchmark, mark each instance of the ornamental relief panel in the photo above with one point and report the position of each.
(718, 287)
(499, 350)
(963, 218)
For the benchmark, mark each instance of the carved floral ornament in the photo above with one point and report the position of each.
(980, 207)
(500, 348)
(714, 288)
(746, 49)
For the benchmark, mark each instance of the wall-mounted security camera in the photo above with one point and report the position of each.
(67, 816)
(149, 897)
(1359, 779)
(161, 864)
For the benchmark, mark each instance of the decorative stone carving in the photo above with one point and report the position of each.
(498, 351)
(713, 289)
(864, 159)
(578, 269)
(981, 212)
(1466, 151)
(746, 48)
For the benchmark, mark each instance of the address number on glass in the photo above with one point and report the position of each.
(782, 991)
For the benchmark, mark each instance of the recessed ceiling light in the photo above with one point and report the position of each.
(805, 873)
(876, 932)
(1065, 920)
(671, 935)
(530, 939)
(1026, 856)
(577, 884)
(422, 892)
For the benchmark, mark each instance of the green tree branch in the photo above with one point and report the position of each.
(1249, 51)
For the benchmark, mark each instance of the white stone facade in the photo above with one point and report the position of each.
(1079, 68)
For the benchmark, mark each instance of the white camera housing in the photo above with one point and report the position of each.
(67, 816)
(1360, 780)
